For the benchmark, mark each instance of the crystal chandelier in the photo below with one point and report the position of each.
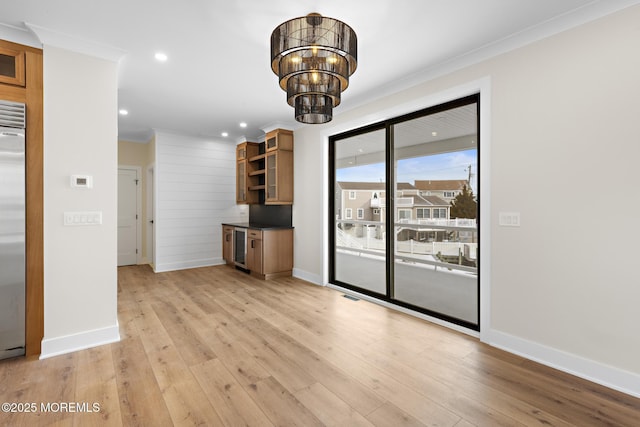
(313, 57)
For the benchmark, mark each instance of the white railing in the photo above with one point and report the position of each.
(468, 250)
(368, 238)
(441, 222)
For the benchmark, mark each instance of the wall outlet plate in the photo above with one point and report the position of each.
(83, 218)
(509, 219)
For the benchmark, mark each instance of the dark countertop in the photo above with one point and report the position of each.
(258, 226)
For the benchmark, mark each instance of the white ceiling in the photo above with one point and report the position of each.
(218, 73)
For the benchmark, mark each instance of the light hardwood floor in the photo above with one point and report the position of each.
(214, 346)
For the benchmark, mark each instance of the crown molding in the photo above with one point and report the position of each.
(590, 12)
(66, 41)
(20, 35)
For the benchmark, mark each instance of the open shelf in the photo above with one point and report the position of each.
(256, 187)
(258, 172)
(258, 157)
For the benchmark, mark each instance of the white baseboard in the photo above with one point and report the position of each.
(184, 265)
(608, 376)
(309, 277)
(83, 340)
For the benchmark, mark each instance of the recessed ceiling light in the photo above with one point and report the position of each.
(123, 112)
(434, 133)
(225, 134)
(243, 125)
(162, 57)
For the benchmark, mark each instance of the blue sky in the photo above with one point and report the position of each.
(439, 166)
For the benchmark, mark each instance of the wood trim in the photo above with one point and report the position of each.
(32, 96)
(13, 93)
(35, 203)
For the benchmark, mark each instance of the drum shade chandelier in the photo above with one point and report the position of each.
(313, 57)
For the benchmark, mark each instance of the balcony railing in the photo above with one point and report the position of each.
(457, 223)
(368, 238)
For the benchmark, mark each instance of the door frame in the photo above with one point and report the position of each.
(482, 86)
(138, 171)
(150, 215)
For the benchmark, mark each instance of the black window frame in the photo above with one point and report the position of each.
(387, 125)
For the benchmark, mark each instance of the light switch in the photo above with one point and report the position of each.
(509, 219)
(83, 218)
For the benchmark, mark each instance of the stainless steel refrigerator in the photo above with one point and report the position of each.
(12, 229)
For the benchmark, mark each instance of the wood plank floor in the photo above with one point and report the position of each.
(216, 347)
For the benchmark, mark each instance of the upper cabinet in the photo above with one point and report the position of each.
(264, 172)
(244, 167)
(279, 183)
(12, 70)
(279, 139)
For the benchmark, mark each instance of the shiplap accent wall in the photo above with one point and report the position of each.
(194, 194)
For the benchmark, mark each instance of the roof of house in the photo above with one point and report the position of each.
(441, 185)
(428, 201)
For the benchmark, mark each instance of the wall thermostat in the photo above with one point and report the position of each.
(82, 181)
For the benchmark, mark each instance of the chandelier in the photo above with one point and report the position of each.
(313, 57)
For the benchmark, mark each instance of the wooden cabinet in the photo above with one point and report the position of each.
(279, 139)
(264, 172)
(279, 178)
(254, 251)
(21, 80)
(12, 66)
(270, 252)
(243, 168)
(227, 244)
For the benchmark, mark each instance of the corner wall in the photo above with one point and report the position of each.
(562, 288)
(80, 137)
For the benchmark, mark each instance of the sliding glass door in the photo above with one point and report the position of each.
(418, 247)
(359, 228)
(435, 164)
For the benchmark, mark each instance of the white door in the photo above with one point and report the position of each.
(127, 216)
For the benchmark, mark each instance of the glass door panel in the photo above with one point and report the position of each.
(241, 184)
(360, 212)
(271, 176)
(435, 218)
(12, 66)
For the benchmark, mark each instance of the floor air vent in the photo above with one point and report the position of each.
(352, 298)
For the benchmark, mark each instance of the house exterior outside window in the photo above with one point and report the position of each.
(404, 213)
(423, 213)
(352, 195)
(439, 213)
(360, 213)
(348, 213)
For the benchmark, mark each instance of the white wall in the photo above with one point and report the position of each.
(195, 193)
(564, 122)
(80, 137)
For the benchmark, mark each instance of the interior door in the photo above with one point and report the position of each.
(127, 216)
